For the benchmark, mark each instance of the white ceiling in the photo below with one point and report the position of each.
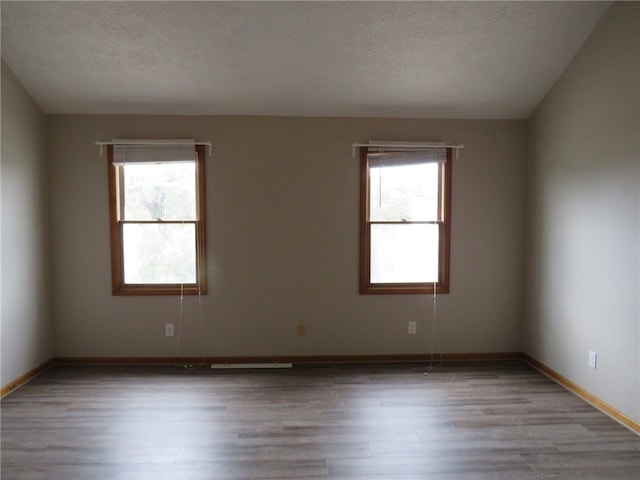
(385, 59)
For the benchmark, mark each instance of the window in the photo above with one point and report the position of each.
(405, 215)
(157, 216)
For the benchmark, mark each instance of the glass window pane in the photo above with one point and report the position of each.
(160, 191)
(403, 192)
(404, 253)
(159, 253)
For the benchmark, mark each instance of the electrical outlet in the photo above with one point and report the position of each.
(593, 358)
(301, 329)
(413, 327)
(168, 329)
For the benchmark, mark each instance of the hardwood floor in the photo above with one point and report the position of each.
(484, 420)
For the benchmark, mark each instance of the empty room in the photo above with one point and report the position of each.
(320, 240)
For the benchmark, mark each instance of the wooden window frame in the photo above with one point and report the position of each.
(444, 222)
(116, 213)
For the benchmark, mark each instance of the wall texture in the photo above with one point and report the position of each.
(25, 323)
(584, 217)
(282, 211)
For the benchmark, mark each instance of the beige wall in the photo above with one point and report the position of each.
(584, 183)
(26, 307)
(283, 242)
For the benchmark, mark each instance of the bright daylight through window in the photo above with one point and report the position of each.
(157, 219)
(405, 220)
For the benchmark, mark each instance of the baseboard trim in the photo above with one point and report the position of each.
(294, 359)
(584, 394)
(21, 380)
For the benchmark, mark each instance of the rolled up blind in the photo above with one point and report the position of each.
(435, 155)
(153, 151)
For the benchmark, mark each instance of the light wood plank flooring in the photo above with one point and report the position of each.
(485, 420)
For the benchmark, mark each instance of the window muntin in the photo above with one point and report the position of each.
(158, 226)
(405, 222)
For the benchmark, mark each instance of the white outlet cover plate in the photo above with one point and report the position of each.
(593, 359)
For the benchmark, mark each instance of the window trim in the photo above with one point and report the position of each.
(116, 207)
(444, 254)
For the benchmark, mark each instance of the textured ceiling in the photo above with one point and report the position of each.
(388, 59)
